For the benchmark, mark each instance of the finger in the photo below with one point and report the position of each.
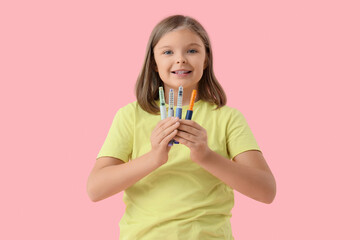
(189, 129)
(160, 130)
(166, 121)
(190, 123)
(164, 124)
(165, 141)
(186, 136)
(183, 141)
(165, 133)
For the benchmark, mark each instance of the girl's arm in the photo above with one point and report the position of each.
(111, 175)
(248, 173)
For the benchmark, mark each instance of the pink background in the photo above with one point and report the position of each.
(291, 67)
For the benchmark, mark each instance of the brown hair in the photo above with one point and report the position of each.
(149, 81)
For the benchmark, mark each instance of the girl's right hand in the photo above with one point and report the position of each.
(162, 134)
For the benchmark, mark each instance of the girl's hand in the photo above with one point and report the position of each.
(164, 131)
(194, 137)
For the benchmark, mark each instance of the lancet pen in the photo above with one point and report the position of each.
(189, 112)
(171, 109)
(179, 106)
(171, 103)
(162, 103)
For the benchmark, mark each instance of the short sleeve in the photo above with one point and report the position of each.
(239, 135)
(119, 140)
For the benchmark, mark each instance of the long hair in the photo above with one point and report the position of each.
(149, 81)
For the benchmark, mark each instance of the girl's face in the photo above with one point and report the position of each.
(180, 59)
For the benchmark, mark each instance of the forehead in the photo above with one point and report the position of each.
(179, 37)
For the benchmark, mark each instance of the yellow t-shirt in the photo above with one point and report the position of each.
(180, 199)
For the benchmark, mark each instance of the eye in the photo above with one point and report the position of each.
(192, 51)
(167, 52)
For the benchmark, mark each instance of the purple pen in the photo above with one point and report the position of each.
(179, 106)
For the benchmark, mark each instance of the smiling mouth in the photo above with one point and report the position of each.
(181, 72)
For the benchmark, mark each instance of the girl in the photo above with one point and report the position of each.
(184, 191)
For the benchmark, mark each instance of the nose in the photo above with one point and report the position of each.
(181, 59)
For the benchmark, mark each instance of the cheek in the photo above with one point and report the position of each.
(163, 67)
(201, 67)
(164, 71)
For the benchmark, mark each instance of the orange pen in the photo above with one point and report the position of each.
(192, 101)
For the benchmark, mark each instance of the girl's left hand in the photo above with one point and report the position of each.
(194, 137)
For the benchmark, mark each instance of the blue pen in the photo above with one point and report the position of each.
(171, 109)
(179, 106)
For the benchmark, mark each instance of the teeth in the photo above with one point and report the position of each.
(181, 72)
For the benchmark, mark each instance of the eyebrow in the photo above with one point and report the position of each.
(187, 45)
